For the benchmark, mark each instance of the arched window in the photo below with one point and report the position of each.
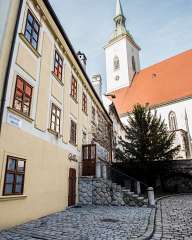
(133, 64)
(172, 121)
(116, 63)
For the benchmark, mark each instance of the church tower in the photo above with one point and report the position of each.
(122, 54)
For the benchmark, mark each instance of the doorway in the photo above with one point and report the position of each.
(72, 187)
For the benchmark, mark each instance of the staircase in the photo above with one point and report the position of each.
(99, 191)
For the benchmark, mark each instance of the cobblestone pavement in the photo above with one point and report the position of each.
(86, 223)
(174, 218)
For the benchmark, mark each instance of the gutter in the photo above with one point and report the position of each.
(9, 63)
(57, 22)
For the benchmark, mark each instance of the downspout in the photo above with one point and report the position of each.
(9, 63)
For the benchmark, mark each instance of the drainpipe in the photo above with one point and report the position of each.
(9, 63)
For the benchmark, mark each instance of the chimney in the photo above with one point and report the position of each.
(82, 59)
(97, 84)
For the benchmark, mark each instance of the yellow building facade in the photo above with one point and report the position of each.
(48, 114)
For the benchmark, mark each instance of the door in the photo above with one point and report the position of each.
(72, 187)
(89, 160)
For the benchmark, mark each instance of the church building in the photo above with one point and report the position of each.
(165, 86)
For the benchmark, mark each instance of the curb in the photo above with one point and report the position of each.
(157, 225)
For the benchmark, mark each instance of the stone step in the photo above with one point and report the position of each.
(114, 185)
(135, 195)
(140, 198)
(118, 188)
(131, 193)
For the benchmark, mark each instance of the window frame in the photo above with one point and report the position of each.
(34, 21)
(84, 102)
(59, 65)
(54, 106)
(24, 95)
(172, 121)
(116, 63)
(73, 135)
(133, 64)
(74, 88)
(15, 173)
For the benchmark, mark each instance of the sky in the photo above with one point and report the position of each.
(161, 28)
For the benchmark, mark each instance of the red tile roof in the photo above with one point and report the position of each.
(166, 81)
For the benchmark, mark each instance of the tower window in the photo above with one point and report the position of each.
(133, 64)
(117, 78)
(116, 63)
(172, 121)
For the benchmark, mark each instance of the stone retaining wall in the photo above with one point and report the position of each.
(99, 191)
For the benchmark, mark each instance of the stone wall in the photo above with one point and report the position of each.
(99, 191)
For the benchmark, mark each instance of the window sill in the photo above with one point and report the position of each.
(55, 76)
(12, 197)
(58, 135)
(22, 37)
(12, 110)
(75, 100)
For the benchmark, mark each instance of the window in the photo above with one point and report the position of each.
(58, 66)
(14, 176)
(116, 63)
(133, 64)
(74, 88)
(55, 118)
(172, 121)
(22, 97)
(73, 132)
(84, 139)
(32, 30)
(84, 103)
(93, 115)
(117, 78)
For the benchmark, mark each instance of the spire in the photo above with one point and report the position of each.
(120, 26)
(119, 11)
(119, 19)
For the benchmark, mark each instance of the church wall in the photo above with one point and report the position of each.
(179, 108)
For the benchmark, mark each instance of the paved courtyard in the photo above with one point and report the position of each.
(173, 221)
(87, 223)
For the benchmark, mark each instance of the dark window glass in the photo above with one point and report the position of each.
(32, 30)
(14, 176)
(73, 132)
(22, 97)
(133, 64)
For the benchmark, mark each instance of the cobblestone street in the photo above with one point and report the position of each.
(174, 218)
(87, 223)
(173, 221)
